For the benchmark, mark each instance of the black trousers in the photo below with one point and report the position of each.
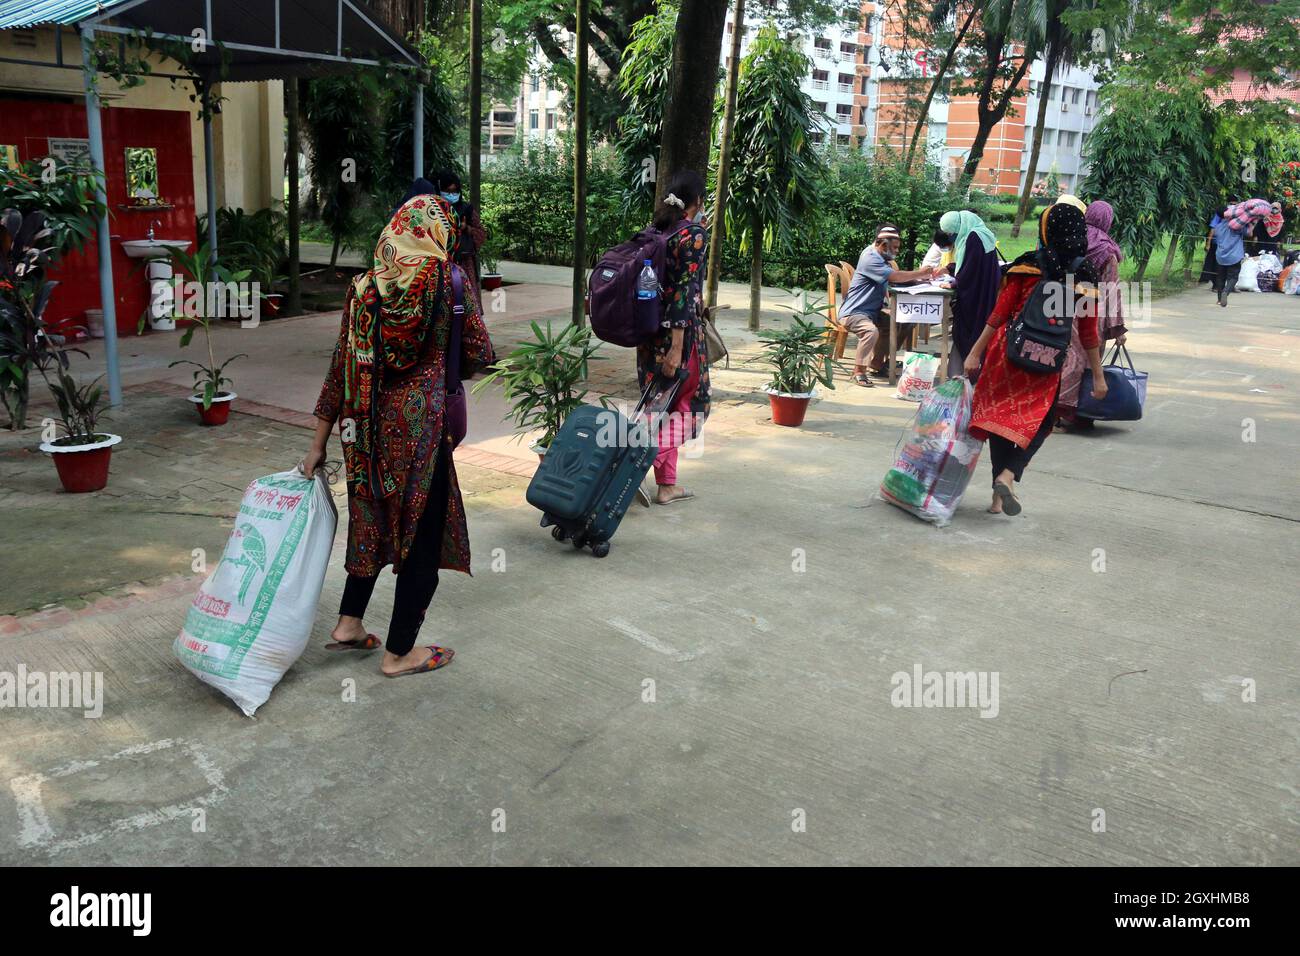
(1004, 453)
(418, 579)
(1226, 277)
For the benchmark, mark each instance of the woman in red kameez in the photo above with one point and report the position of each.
(1013, 407)
(386, 387)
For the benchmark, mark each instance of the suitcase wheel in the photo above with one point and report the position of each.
(558, 533)
(579, 541)
(600, 549)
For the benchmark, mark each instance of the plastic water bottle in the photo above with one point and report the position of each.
(647, 283)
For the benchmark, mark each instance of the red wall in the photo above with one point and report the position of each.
(28, 123)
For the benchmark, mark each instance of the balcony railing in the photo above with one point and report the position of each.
(846, 87)
(821, 84)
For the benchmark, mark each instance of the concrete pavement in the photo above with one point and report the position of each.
(717, 690)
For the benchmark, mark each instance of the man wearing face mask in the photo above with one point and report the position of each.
(472, 234)
(862, 312)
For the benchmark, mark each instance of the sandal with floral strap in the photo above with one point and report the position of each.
(441, 658)
(367, 643)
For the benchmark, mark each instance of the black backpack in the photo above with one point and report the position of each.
(1039, 337)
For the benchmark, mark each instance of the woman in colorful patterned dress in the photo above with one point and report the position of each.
(680, 342)
(386, 388)
(1013, 407)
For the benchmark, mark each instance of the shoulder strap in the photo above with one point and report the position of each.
(457, 325)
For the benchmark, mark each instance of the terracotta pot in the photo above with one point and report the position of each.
(271, 303)
(788, 410)
(82, 468)
(491, 280)
(539, 450)
(218, 412)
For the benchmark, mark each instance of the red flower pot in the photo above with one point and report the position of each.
(788, 410)
(491, 280)
(218, 412)
(82, 468)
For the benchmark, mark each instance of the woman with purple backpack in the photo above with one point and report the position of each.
(680, 343)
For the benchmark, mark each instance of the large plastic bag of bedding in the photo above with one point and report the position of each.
(253, 615)
(936, 456)
(1248, 277)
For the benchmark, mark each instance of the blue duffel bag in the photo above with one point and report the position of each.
(1126, 392)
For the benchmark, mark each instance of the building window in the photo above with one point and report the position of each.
(846, 82)
(848, 52)
(821, 106)
(844, 112)
(821, 80)
(503, 117)
(1074, 94)
(844, 139)
(532, 119)
(1068, 139)
(822, 46)
(534, 82)
(550, 119)
(818, 138)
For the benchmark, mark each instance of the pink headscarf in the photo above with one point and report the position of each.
(1273, 223)
(1101, 247)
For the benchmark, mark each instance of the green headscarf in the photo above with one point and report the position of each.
(962, 224)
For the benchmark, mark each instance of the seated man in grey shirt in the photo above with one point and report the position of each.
(860, 311)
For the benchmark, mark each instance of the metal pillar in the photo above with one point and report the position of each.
(418, 134)
(108, 302)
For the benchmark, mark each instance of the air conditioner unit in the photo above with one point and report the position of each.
(1087, 110)
(1065, 107)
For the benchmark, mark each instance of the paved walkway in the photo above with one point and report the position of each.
(768, 617)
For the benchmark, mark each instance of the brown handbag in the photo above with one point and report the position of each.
(715, 350)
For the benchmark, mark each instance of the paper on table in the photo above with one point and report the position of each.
(920, 289)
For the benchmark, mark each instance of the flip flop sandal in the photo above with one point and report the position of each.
(684, 496)
(862, 380)
(441, 658)
(1010, 503)
(642, 496)
(367, 643)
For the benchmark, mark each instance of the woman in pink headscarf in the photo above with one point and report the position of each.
(1104, 255)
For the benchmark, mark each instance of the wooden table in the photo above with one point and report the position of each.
(945, 328)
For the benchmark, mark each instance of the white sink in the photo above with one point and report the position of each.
(152, 248)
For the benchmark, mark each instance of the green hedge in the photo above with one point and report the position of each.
(527, 205)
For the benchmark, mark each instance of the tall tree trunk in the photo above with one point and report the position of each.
(989, 112)
(688, 114)
(334, 253)
(1050, 69)
(1169, 258)
(755, 268)
(1142, 268)
(719, 223)
(293, 301)
(580, 167)
(938, 80)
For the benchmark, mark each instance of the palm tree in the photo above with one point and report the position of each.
(1059, 42)
(774, 166)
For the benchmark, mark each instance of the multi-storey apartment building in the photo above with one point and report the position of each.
(866, 74)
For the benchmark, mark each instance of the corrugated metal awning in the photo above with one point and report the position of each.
(246, 39)
(17, 14)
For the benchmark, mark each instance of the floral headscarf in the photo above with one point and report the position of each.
(385, 312)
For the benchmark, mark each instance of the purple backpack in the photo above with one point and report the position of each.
(617, 316)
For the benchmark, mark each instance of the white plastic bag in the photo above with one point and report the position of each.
(251, 618)
(917, 381)
(1248, 278)
(936, 456)
(1268, 262)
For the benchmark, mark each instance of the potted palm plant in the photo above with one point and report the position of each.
(211, 396)
(81, 455)
(542, 380)
(800, 357)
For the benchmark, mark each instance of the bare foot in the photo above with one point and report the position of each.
(996, 507)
